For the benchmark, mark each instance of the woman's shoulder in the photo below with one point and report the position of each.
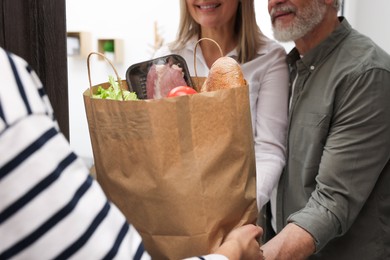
(271, 46)
(271, 54)
(162, 51)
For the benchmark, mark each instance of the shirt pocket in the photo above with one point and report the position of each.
(308, 137)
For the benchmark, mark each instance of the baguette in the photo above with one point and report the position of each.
(224, 73)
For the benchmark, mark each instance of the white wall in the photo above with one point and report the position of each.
(372, 18)
(133, 21)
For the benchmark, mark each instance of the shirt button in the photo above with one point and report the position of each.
(312, 67)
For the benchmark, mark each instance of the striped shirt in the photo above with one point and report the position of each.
(50, 206)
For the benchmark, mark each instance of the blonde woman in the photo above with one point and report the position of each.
(232, 24)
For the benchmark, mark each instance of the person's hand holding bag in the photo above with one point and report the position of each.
(242, 243)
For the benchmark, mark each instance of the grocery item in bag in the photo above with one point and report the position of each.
(224, 73)
(154, 79)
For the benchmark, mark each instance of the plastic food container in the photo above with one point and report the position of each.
(152, 79)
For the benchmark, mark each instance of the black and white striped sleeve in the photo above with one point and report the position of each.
(50, 207)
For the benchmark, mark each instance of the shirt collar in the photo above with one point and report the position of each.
(317, 54)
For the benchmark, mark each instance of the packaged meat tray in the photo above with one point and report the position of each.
(153, 79)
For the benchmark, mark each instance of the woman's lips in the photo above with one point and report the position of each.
(207, 7)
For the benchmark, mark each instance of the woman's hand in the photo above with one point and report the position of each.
(241, 243)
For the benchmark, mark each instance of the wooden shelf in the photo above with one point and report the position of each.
(112, 49)
(79, 44)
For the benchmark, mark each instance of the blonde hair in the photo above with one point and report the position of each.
(250, 37)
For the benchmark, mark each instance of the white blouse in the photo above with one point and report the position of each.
(267, 76)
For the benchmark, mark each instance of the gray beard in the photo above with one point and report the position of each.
(305, 21)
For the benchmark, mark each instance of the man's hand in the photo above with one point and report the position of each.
(293, 242)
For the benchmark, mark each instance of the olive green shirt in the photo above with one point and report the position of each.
(336, 184)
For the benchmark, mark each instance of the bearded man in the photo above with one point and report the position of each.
(333, 199)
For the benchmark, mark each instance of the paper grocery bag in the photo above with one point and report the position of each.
(181, 169)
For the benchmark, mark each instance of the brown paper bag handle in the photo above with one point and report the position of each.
(196, 45)
(113, 67)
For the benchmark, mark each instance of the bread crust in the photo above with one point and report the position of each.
(224, 73)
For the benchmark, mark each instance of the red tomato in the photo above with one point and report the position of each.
(181, 91)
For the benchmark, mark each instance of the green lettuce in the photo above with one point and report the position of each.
(113, 92)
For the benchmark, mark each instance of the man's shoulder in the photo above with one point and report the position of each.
(364, 52)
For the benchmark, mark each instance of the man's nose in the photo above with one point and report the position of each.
(275, 2)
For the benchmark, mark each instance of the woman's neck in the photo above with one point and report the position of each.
(226, 40)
